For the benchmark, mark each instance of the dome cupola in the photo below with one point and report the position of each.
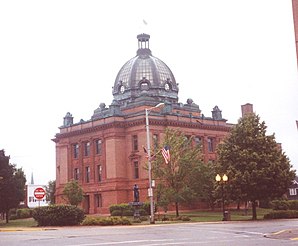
(145, 77)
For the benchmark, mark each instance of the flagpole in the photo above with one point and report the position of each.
(150, 190)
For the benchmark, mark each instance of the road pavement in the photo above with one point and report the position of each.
(273, 232)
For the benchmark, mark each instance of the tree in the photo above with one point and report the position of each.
(256, 166)
(51, 189)
(177, 180)
(12, 185)
(73, 192)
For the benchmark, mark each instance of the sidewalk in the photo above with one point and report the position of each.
(11, 229)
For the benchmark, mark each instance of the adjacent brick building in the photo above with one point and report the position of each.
(105, 154)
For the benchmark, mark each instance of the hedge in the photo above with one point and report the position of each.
(23, 213)
(284, 205)
(282, 214)
(106, 221)
(125, 209)
(58, 215)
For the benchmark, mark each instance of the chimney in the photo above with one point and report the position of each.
(246, 109)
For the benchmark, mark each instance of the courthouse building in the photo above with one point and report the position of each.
(105, 154)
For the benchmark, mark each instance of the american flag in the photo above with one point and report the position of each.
(166, 154)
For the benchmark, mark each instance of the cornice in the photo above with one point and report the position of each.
(142, 121)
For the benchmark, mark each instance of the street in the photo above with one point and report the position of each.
(273, 232)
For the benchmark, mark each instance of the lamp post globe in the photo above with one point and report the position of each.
(222, 180)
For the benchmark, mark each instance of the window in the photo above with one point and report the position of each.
(135, 143)
(210, 144)
(144, 86)
(98, 200)
(99, 173)
(136, 169)
(198, 140)
(293, 192)
(75, 150)
(87, 149)
(87, 174)
(98, 146)
(76, 174)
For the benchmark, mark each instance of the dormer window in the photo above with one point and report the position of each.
(144, 86)
(122, 89)
(167, 87)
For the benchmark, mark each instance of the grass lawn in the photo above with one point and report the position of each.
(30, 222)
(195, 216)
(236, 215)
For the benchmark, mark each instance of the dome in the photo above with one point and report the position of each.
(145, 76)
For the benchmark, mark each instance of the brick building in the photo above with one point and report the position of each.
(105, 154)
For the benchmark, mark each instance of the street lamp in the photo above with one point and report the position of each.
(222, 180)
(150, 191)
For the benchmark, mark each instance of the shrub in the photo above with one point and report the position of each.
(58, 215)
(137, 220)
(293, 204)
(282, 214)
(279, 205)
(128, 212)
(121, 207)
(184, 218)
(143, 212)
(116, 213)
(113, 220)
(13, 217)
(91, 221)
(24, 213)
(143, 218)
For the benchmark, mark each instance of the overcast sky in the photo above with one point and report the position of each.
(63, 56)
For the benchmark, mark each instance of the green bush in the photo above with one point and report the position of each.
(184, 218)
(23, 213)
(116, 213)
(284, 205)
(13, 217)
(58, 215)
(279, 205)
(91, 221)
(293, 204)
(128, 212)
(282, 214)
(143, 212)
(113, 220)
(121, 207)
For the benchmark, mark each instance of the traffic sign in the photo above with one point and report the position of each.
(39, 193)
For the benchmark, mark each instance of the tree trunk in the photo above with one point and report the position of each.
(254, 210)
(6, 216)
(177, 210)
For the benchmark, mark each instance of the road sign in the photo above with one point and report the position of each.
(39, 193)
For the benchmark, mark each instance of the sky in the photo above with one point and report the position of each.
(64, 56)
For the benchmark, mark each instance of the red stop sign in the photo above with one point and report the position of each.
(39, 193)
